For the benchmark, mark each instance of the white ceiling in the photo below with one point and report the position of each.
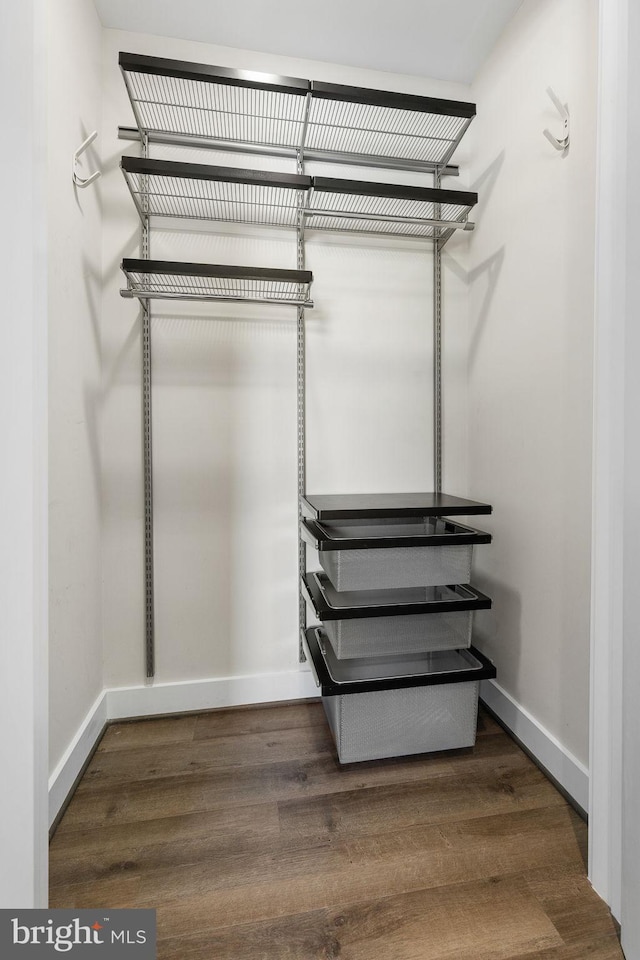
(446, 39)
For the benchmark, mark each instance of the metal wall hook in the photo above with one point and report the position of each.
(563, 110)
(78, 180)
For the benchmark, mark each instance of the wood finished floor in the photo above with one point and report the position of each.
(253, 843)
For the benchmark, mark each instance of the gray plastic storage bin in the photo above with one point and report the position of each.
(394, 706)
(380, 636)
(396, 723)
(397, 567)
(407, 620)
(388, 553)
(393, 634)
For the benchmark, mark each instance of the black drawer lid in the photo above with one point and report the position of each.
(331, 604)
(346, 506)
(369, 674)
(385, 532)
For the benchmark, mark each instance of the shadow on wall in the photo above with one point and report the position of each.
(205, 350)
(130, 249)
(485, 183)
(489, 268)
(503, 620)
(488, 271)
(92, 280)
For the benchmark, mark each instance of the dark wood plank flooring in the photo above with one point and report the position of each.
(253, 843)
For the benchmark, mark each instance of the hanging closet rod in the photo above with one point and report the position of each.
(339, 215)
(172, 295)
(289, 153)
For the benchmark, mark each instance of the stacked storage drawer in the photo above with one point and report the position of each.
(393, 656)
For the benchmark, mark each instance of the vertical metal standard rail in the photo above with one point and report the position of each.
(301, 389)
(149, 627)
(301, 428)
(437, 315)
(437, 348)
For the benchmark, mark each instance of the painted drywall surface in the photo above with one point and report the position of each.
(23, 478)
(75, 281)
(224, 406)
(631, 513)
(530, 359)
(394, 37)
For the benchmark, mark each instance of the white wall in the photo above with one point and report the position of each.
(609, 520)
(614, 840)
(75, 281)
(530, 360)
(23, 478)
(631, 510)
(225, 408)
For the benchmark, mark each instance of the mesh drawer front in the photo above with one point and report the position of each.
(395, 723)
(397, 567)
(378, 636)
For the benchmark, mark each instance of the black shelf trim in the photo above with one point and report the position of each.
(182, 269)
(187, 70)
(267, 178)
(377, 506)
(321, 539)
(205, 171)
(364, 188)
(207, 73)
(330, 688)
(312, 585)
(397, 101)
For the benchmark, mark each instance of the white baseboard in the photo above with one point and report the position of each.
(147, 700)
(63, 778)
(567, 770)
(151, 699)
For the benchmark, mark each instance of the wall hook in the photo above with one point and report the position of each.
(563, 110)
(78, 180)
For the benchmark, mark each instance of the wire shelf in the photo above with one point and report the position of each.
(293, 115)
(169, 280)
(375, 123)
(202, 192)
(196, 191)
(423, 212)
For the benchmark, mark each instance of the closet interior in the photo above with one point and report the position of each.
(392, 649)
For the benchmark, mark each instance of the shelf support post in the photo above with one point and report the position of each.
(437, 346)
(301, 389)
(301, 409)
(147, 437)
